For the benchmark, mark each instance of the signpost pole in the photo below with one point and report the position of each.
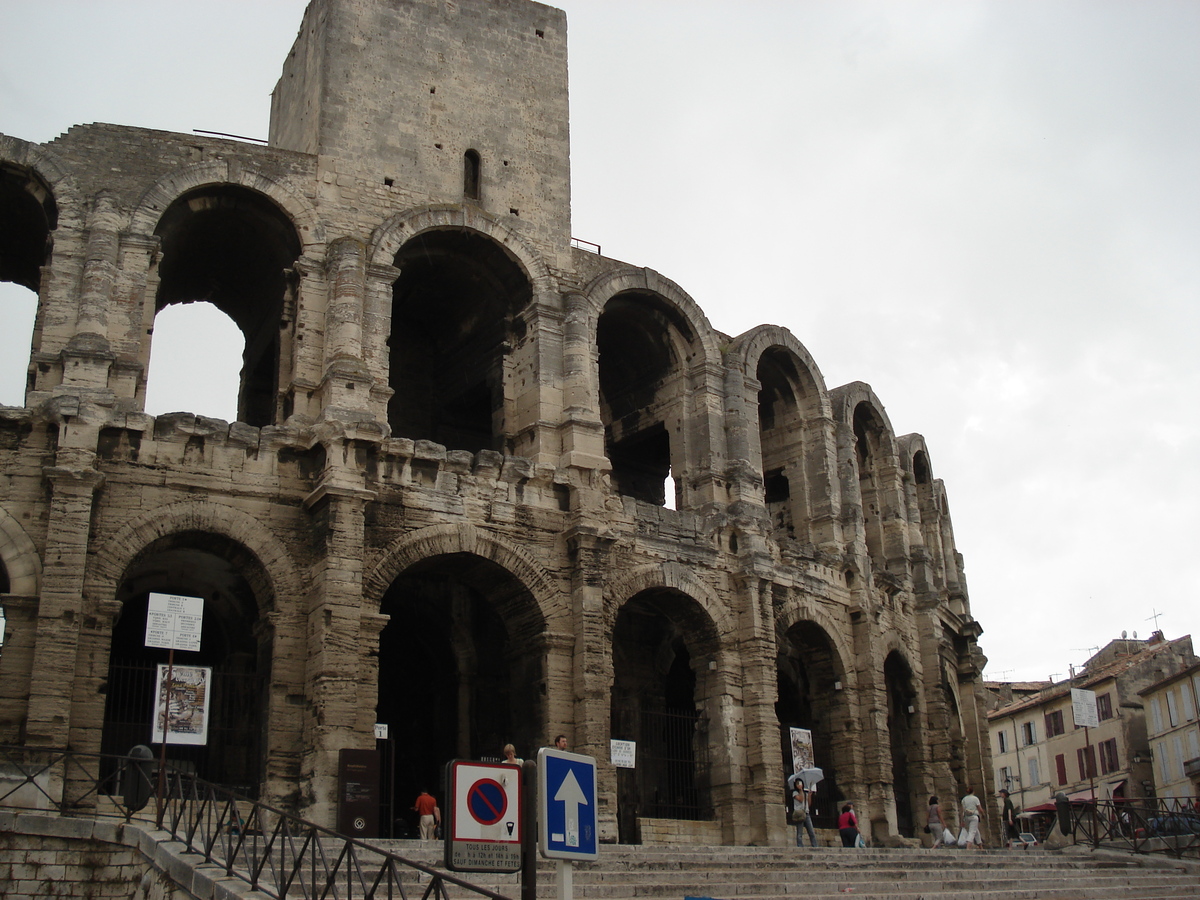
(565, 880)
(162, 755)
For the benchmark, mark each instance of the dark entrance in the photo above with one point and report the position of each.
(654, 702)
(461, 671)
(233, 643)
(902, 736)
(810, 675)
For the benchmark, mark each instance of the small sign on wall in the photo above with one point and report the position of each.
(623, 753)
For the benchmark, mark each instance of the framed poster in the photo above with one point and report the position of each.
(187, 709)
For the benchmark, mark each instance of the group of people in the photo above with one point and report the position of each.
(973, 812)
(430, 815)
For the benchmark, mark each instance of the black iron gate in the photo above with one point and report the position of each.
(672, 766)
(232, 755)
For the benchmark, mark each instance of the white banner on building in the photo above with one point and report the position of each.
(187, 719)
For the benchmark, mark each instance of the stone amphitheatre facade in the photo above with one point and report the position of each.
(443, 505)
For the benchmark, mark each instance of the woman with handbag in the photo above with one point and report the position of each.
(934, 824)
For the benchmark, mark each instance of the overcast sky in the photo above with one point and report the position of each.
(990, 212)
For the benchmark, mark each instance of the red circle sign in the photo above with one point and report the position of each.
(487, 801)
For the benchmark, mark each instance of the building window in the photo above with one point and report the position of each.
(1161, 761)
(1180, 774)
(1002, 741)
(1035, 776)
(1004, 779)
(1156, 715)
(1029, 733)
(1087, 762)
(1108, 756)
(1189, 707)
(1060, 764)
(471, 175)
(1054, 723)
(1104, 707)
(1172, 709)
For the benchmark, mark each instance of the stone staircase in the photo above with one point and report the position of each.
(757, 873)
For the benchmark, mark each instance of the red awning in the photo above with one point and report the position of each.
(1085, 796)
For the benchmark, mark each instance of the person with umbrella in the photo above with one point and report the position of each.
(803, 785)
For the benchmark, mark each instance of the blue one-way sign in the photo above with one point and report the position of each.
(567, 805)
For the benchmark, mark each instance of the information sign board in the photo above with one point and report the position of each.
(623, 754)
(1083, 707)
(484, 833)
(185, 703)
(174, 622)
(567, 805)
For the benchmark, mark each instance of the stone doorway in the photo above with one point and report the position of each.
(811, 695)
(234, 644)
(660, 642)
(461, 671)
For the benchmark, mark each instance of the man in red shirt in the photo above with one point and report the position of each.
(427, 808)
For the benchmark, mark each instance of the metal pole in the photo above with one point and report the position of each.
(529, 830)
(162, 756)
(566, 880)
(1091, 764)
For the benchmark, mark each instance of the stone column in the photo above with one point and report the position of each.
(346, 382)
(589, 652)
(73, 483)
(339, 647)
(760, 690)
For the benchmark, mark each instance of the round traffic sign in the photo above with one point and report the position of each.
(487, 801)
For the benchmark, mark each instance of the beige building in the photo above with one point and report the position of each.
(444, 506)
(1174, 733)
(1037, 749)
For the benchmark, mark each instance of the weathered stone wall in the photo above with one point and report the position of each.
(455, 440)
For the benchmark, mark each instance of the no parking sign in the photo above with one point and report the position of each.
(484, 832)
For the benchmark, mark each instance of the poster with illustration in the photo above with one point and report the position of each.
(802, 749)
(187, 709)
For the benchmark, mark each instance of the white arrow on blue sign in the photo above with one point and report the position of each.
(567, 805)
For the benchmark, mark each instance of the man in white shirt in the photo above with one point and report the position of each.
(972, 811)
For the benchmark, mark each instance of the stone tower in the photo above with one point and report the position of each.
(484, 486)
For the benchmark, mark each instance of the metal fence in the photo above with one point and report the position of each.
(673, 766)
(272, 851)
(1169, 825)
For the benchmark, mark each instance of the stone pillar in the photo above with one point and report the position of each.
(589, 652)
(346, 382)
(99, 268)
(764, 766)
(581, 433)
(339, 646)
(73, 482)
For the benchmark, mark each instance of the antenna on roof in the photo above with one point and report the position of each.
(1155, 618)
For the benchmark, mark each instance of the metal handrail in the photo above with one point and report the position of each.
(1169, 825)
(272, 851)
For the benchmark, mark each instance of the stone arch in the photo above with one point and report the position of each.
(672, 692)
(157, 199)
(670, 575)
(392, 234)
(747, 349)
(20, 558)
(655, 358)
(604, 287)
(46, 163)
(905, 712)
(446, 540)
(124, 546)
(800, 608)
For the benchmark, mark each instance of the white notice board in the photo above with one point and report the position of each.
(174, 622)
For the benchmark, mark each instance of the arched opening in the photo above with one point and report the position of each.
(643, 345)
(28, 218)
(810, 683)
(903, 739)
(868, 441)
(784, 398)
(18, 309)
(455, 323)
(660, 643)
(920, 467)
(191, 338)
(461, 670)
(471, 180)
(235, 249)
(235, 644)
